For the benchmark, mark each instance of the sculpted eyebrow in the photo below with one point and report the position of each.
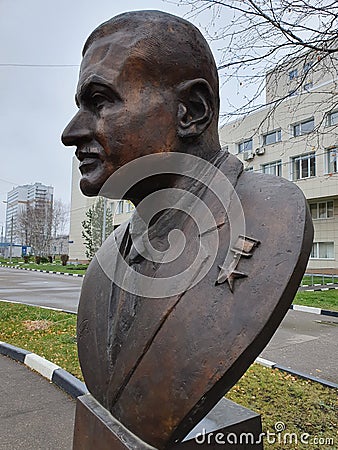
(88, 87)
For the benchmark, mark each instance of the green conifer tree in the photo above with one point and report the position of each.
(92, 232)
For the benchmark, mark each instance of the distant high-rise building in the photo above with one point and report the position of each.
(18, 199)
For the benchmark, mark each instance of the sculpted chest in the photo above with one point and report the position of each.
(159, 364)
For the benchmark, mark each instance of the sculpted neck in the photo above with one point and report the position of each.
(167, 181)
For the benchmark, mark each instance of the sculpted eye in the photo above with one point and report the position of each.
(100, 100)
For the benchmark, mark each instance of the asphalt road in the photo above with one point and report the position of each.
(304, 342)
(42, 289)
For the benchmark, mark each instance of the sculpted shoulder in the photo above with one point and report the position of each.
(272, 193)
(277, 214)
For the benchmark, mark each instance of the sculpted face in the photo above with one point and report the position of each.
(123, 114)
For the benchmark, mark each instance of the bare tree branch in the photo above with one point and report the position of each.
(258, 36)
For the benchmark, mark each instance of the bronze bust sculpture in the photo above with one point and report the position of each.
(160, 356)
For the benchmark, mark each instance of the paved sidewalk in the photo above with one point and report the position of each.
(306, 343)
(34, 413)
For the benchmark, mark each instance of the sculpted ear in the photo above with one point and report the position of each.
(196, 103)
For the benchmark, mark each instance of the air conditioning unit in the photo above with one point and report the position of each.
(260, 151)
(248, 156)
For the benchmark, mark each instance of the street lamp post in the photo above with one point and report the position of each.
(11, 243)
(2, 240)
(104, 220)
(11, 238)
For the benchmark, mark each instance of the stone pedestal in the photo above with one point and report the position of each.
(227, 426)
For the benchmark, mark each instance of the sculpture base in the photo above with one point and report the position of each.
(227, 426)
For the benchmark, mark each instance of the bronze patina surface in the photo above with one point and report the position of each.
(148, 85)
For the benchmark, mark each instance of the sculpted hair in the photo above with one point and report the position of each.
(175, 48)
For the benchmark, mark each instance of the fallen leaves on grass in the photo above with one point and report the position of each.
(302, 405)
(33, 325)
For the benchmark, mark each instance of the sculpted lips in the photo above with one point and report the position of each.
(88, 157)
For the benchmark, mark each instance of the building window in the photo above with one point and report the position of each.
(322, 250)
(129, 207)
(332, 118)
(303, 127)
(272, 138)
(331, 160)
(303, 166)
(274, 168)
(293, 74)
(321, 210)
(245, 146)
(120, 207)
(307, 66)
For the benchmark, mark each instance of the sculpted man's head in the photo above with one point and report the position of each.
(148, 84)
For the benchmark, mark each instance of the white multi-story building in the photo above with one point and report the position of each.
(296, 136)
(121, 210)
(17, 200)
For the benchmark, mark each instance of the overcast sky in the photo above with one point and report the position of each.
(37, 102)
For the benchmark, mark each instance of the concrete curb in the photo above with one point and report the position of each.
(74, 387)
(273, 365)
(315, 288)
(43, 271)
(308, 288)
(312, 310)
(38, 306)
(64, 380)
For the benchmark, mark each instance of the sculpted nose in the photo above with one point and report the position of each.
(78, 130)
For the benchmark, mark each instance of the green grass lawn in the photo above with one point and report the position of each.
(318, 299)
(50, 334)
(303, 406)
(54, 267)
